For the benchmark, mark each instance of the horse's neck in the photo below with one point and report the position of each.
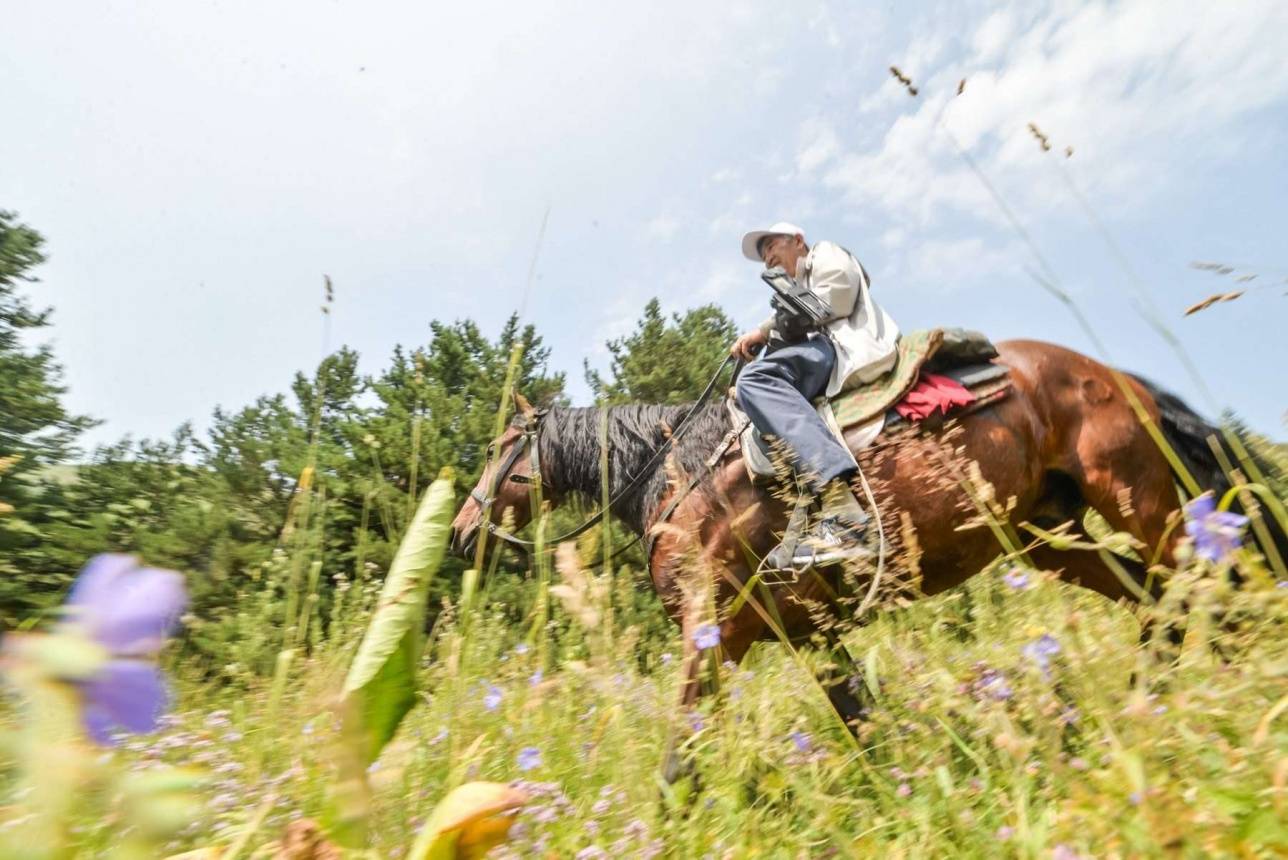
(572, 455)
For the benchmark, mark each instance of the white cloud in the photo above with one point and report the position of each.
(946, 265)
(1137, 89)
(818, 145)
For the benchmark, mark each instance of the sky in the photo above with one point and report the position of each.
(197, 167)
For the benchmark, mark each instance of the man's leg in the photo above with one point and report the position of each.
(776, 391)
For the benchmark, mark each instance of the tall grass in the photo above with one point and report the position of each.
(973, 747)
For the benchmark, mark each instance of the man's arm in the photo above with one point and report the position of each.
(835, 277)
(746, 346)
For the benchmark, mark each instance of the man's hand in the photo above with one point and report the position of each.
(746, 346)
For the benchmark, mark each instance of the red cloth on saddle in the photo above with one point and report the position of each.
(933, 392)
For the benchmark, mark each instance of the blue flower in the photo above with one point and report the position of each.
(802, 741)
(129, 611)
(1017, 578)
(536, 678)
(492, 698)
(1041, 650)
(1216, 533)
(529, 758)
(991, 684)
(706, 636)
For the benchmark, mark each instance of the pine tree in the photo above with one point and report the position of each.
(665, 361)
(36, 431)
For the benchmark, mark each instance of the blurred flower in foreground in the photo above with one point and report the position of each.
(1216, 533)
(129, 611)
(117, 618)
(706, 636)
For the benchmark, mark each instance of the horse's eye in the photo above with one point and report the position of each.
(491, 449)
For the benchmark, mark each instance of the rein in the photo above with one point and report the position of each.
(531, 439)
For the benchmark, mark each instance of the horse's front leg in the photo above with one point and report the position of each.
(701, 656)
(843, 683)
(697, 678)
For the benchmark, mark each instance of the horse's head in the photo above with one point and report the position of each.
(505, 482)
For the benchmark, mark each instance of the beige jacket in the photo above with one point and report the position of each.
(863, 333)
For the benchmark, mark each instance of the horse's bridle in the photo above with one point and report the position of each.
(530, 427)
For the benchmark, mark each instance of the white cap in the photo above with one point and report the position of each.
(752, 239)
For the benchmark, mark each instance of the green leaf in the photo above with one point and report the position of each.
(382, 677)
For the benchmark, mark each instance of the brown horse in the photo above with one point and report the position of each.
(1066, 439)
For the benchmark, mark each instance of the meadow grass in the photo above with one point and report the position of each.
(976, 745)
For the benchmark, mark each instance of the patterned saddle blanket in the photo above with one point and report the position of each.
(938, 373)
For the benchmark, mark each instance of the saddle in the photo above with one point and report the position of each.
(937, 373)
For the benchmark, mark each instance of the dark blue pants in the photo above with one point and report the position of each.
(776, 391)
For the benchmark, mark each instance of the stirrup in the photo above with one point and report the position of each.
(776, 567)
(829, 542)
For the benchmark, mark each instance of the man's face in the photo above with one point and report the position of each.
(783, 251)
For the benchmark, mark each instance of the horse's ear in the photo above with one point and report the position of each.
(522, 405)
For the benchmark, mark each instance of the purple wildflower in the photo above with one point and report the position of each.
(1216, 533)
(492, 698)
(1041, 650)
(802, 741)
(706, 636)
(903, 790)
(529, 758)
(521, 648)
(991, 684)
(1063, 852)
(129, 611)
(1017, 578)
(536, 678)
(1005, 832)
(590, 852)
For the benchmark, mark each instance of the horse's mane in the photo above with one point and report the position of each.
(570, 451)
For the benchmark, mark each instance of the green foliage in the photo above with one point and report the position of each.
(665, 360)
(36, 431)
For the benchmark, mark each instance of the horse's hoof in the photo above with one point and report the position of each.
(676, 768)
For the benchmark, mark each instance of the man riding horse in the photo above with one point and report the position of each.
(850, 341)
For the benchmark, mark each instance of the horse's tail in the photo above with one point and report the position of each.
(1192, 437)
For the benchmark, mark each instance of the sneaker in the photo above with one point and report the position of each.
(832, 540)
